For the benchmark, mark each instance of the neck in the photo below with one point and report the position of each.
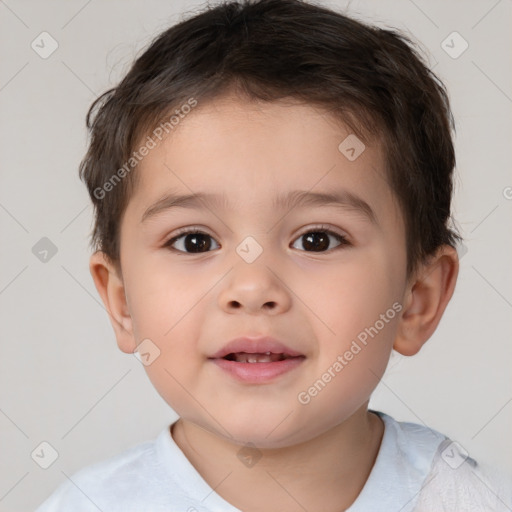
(325, 473)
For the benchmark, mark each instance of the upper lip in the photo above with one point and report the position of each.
(258, 345)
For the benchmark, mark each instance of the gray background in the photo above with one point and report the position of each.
(63, 379)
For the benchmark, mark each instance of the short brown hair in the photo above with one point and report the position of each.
(372, 79)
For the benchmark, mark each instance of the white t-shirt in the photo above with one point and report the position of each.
(417, 470)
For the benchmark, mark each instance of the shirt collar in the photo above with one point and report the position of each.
(401, 467)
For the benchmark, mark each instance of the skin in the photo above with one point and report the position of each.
(315, 456)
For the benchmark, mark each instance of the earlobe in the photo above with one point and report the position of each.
(426, 299)
(110, 287)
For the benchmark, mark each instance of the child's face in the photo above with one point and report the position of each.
(315, 302)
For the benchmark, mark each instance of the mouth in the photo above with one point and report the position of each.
(264, 368)
(256, 360)
(255, 350)
(267, 357)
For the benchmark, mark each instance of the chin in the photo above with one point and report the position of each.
(263, 431)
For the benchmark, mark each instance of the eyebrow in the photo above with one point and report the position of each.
(297, 198)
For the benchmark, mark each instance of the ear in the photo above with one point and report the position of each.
(109, 283)
(426, 298)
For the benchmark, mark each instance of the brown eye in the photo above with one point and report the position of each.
(192, 242)
(319, 241)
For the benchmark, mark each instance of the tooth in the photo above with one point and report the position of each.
(256, 358)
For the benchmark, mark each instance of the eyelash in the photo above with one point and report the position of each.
(343, 242)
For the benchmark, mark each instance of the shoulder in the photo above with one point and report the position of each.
(451, 479)
(94, 486)
(422, 470)
(458, 482)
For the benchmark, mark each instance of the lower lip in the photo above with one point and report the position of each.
(258, 372)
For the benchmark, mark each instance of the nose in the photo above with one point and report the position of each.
(254, 288)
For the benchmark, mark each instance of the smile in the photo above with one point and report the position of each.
(257, 368)
(245, 357)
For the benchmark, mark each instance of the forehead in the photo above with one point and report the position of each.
(251, 153)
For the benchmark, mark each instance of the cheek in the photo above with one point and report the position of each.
(164, 310)
(353, 295)
(176, 373)
(355, 306)
(160, 300)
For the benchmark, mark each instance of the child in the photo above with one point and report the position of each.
(272, 184)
